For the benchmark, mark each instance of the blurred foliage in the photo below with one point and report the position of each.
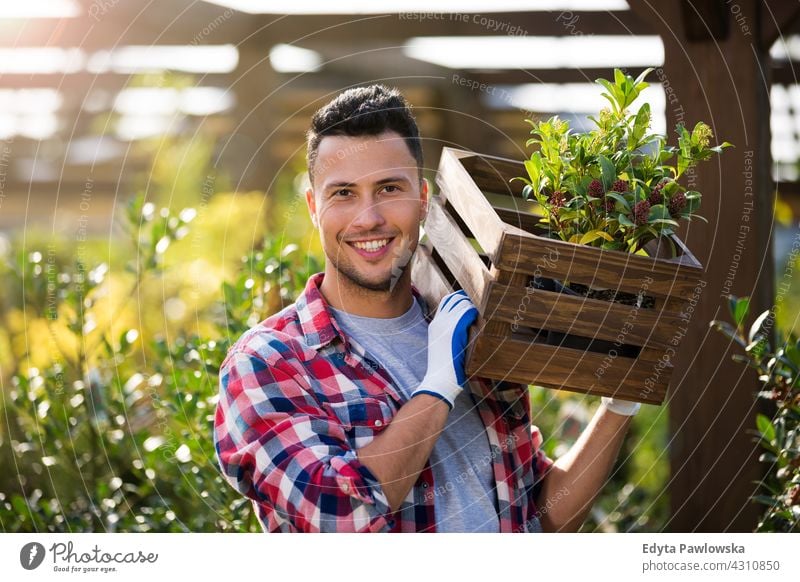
(110, 349)
(777, 363)
(109, 422)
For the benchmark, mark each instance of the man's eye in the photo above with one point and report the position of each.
(343, 192)
(391, 188)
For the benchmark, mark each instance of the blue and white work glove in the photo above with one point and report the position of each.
(447, 344)
(623, 407)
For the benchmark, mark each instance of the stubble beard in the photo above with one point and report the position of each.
(400, 269)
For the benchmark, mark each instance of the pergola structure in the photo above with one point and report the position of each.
(717, 68)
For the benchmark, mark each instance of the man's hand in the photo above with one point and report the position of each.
(447, 343)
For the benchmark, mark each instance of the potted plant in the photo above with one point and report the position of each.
(575, 268)
(617, 186)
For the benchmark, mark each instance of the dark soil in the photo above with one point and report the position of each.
(611, 295)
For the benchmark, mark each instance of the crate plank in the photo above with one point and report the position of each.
(428, 278)
(606, 269)
(563, 368)
(580, 315)
(458, 254)
(457, 187)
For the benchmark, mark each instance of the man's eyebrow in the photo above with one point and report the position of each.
(393, 179)
(378, 183)
(340, 185)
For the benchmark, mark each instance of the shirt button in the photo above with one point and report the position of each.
(424, 484)
(378, 423)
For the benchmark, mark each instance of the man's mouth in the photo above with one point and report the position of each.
(371, 248)
(371, 245)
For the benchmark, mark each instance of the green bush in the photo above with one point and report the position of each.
(113, 431)
(778, 371)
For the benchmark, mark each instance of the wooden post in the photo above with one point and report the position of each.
(250, 148)
(718, 74)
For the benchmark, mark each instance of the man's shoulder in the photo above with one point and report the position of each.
(279, 336)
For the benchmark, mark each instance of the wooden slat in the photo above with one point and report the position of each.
(558, 76)
(581, 316)
(494, 173)
(457, 253)
(495, 325)
(527, 222)
(428, 278)
(457, 187)
(565, 368)
(191, 22)
(596, 268)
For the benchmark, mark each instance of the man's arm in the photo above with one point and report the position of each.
(582, 472)
(397, 455)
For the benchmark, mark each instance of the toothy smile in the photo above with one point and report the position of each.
(371, 245)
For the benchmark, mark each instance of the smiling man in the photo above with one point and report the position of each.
(349, 410)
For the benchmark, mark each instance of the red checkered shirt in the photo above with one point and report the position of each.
(298, 399)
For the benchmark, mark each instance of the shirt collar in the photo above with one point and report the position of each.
(318, 325)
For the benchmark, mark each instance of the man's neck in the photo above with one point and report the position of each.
(343, 294)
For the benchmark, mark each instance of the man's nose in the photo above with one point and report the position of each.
(369, 216)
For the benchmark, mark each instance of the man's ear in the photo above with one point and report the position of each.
(312, 207)
(423, 199)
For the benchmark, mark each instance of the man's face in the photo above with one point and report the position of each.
(367, 202)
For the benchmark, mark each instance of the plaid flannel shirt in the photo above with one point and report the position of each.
(298, 399)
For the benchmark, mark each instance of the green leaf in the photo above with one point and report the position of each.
(793, 354)
(613, 246)
(593, 235)
(619, 78)
(765, 427)
(609, 172)
(664, 221)
(738, 307)
(640, 126)
(534, 168)
(658, 211)
(620, 199)
(624, 220)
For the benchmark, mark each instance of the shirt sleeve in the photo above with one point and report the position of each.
(276, 446)
(541, 462)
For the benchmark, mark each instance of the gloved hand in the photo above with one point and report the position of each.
(447, 343)
(623, 407)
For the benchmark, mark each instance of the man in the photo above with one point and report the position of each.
(350, 410)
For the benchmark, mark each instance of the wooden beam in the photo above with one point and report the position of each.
(714, 461)
(778, 18)
(190, 22)
(705, 20)
(520, 76)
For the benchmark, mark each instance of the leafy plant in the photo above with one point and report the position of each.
(617, 186)
(779, 373)
(114, 432)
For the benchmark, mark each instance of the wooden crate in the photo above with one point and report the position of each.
(484, 237)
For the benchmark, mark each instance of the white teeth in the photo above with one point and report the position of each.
(372, 245)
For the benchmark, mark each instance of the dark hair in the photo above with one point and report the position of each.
(364, 111)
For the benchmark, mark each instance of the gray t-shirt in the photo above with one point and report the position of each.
(465, 499)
